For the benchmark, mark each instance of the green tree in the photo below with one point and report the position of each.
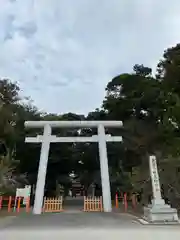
(9, 102)
(168, 73)
(132, 98)
(137, 100)
(9, 99)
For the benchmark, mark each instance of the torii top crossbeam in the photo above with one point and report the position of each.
(73, 124)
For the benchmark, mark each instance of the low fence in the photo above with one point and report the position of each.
(93, 204)
(14, 204)
(127, 201)
(53, 204)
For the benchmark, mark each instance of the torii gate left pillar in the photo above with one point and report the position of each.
(47, 138)
(41, 178)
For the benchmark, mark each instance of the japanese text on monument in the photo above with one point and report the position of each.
(155, 175)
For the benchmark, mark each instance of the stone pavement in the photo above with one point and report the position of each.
(72, 220)
(80, 225)
(73, 203)
(93, 234)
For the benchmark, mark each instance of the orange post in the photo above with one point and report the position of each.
(134, 201)
(125, 202)
(1, 199)
(18, 204)
(28, 204)
(116, 201)
(9, 204)
(101, 202)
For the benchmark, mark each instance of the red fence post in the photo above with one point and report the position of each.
(125, 202)
(1, 199)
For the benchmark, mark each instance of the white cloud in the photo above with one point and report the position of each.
(63, 52)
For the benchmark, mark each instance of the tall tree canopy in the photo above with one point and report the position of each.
(148, 105)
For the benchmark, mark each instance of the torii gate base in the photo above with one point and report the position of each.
(47, 138)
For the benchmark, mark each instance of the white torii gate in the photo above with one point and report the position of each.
(47, 138)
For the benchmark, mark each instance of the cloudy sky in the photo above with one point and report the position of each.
(63, 52)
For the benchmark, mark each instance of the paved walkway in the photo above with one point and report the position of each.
(75, 220)
(73, 203)
(80, 225)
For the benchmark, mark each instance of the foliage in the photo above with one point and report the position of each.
(10, 179)
(149, 108)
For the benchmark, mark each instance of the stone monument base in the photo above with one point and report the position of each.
(160, 214)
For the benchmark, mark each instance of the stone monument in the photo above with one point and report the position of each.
(158, 211)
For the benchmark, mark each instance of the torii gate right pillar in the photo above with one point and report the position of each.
(104, 169)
